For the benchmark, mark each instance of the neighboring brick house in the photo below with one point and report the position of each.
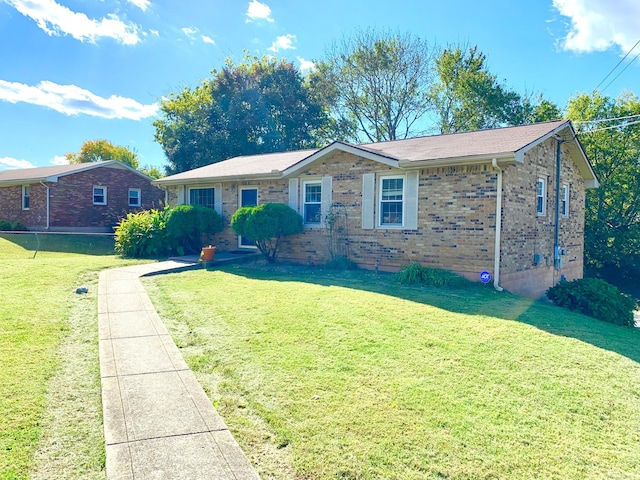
(88, 197)
(431, 200)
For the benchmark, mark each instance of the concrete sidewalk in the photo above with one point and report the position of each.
(158, 422)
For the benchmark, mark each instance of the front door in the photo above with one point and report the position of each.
(248, 198)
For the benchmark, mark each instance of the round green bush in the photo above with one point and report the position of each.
(5, 226)
(142, 234)
(595, 298)
(266, 224)
(190, 226)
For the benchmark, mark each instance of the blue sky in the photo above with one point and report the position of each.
(77, 70)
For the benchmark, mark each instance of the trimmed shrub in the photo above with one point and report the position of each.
(19, 227)
(5, 226)
(595, 298)
(266, 224)
(436, 277)
(189, 226)
(142, 234)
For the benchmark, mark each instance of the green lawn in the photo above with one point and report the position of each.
(352, 375)
(50, 405)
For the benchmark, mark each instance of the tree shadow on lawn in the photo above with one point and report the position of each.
(474, 300)
(87, 244)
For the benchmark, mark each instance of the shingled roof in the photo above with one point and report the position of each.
(505, 144)
(51, 174)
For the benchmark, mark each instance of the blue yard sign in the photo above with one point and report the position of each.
(485, 277)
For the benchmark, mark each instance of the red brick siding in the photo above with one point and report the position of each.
(71, 200)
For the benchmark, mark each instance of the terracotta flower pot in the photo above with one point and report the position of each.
(207, 253)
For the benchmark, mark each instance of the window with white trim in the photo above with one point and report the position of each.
(99, 195)
(204, 197)
(565, 201)
(135, 197)
(312, 203)
(391, 201)
(26, 197)
(541, 197)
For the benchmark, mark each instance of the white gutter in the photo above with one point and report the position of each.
(496, 253)
(47, 187)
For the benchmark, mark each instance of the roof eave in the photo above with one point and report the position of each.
(504, 158)
(209, 180)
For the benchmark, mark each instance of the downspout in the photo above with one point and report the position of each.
(47, 187)
(556, 228)
(496, 253)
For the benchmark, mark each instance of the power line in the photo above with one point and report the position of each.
(608, 128)
(627, 66)
(614, 68)
(606, 119)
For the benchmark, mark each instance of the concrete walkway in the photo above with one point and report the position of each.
(158, 422)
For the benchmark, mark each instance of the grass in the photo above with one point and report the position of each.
(354, 376)
(50, 406)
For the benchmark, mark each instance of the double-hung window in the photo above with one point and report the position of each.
(391, 206)
(541, 197)
(99, 195)
(26, 197)
(312, 205)
(565, 201)
(202, 196)
(135, 197)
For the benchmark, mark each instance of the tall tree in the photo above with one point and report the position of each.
(466, 96)
(377, 84)
(101, 150)
(612, 217)
(262, 105)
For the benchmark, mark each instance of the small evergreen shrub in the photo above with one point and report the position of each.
(142, 234)
(19, 227)
(5, 226)
(189, 226)
(595, 298)
(341, 263)
(416, 273)
(266, 224)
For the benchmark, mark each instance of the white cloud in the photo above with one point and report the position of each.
(283, 42)
(56, 19)
(258, 11)
(154, 32)
(306, 65)
(210, 40)
(59, 160)
(11, 163)
(141, 4)
(598, 25)
(73, 100)
(190, 31)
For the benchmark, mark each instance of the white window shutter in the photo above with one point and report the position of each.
(327, 197)
(368, 199)
(293, 193)
(181, 196)
(411, 201)
(217, 198)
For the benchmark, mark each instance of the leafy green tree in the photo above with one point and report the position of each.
(266, 225)
(376, 84)
(466, 96)
(101, 150)
(612, 217)
(152, 172)
(262, 105)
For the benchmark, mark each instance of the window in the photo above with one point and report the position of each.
(565, 201)
(541, 204)
(134, 197)
(99, 195)
(312, 206)
(26, 197)
(202, 196)
(391, 201)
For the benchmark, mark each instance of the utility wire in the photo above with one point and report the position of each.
(623, 70)
(608, 128)
(614, 68)
(606, 119)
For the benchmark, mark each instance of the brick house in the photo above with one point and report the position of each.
(88, 197)
(431, 200)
